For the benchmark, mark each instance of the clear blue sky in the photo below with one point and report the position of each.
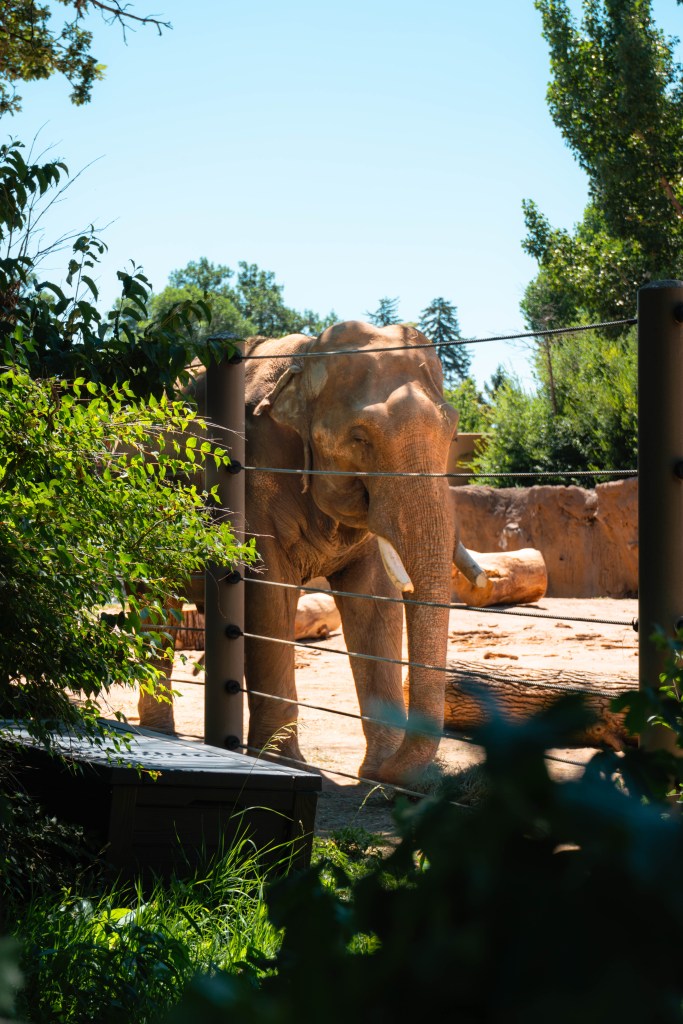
(357, 148)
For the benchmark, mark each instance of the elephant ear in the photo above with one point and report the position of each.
(290, 402)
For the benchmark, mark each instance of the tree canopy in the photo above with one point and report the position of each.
(616, 94)
(252, 305)
(33, 47)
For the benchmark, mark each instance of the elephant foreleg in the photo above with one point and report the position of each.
(375, 628)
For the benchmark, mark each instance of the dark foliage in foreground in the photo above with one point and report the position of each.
(547, 901)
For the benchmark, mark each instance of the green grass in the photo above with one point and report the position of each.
(128, 955)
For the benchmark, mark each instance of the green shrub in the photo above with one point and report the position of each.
(546, 901)
(124, 955)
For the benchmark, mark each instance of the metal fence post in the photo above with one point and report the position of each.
(224, 587)
(660, 480)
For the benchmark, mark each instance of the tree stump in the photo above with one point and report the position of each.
(514, 577)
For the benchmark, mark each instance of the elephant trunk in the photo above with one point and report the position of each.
(424, 549)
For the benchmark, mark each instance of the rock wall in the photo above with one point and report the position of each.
(588, 538)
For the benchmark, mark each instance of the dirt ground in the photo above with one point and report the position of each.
(488, 639)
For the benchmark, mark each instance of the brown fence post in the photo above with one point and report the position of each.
(224, 587)
(660, 480)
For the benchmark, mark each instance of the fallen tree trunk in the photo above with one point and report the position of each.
(317, 616)
(471, 691)
(513, 577)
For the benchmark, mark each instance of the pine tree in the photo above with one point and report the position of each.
(385, 314)
(439, 323)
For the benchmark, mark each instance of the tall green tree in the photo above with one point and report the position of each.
(616, 94)
(33, 45)
(439, 322)
(252, 305)
(385, 314)
(208, 283)
(202, 274)
(475, 412)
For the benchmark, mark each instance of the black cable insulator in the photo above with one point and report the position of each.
(232, 742)
(233, 577)
(234, 467)
(232, 686)
(233, 632)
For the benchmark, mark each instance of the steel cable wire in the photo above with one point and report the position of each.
(362, 474)
(359, 778)
(567, 687)
(547, 333)
(439, 604)
(447, 734)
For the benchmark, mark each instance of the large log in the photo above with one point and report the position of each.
(469, 691)
(514, 577)
(317, 616)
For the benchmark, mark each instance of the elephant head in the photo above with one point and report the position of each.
(374, 406)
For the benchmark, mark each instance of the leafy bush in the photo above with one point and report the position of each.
(92, 456)
(126, 956)
(470, 403)
(55, 330)
(92, 512)
(583, 415)
(546, 901)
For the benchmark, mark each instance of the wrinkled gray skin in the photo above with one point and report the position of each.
(380, 410)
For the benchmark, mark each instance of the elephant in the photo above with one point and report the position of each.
(376, 407)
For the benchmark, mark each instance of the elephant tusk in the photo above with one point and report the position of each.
(468, 567)
(394, 566)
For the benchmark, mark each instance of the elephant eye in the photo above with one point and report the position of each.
(359, 438)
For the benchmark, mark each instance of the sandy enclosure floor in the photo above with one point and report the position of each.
(483, 638)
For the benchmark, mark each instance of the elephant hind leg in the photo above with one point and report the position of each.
(155, 710)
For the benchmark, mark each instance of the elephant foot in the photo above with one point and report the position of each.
(379, 751)
(370, 769)
(401, 769)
